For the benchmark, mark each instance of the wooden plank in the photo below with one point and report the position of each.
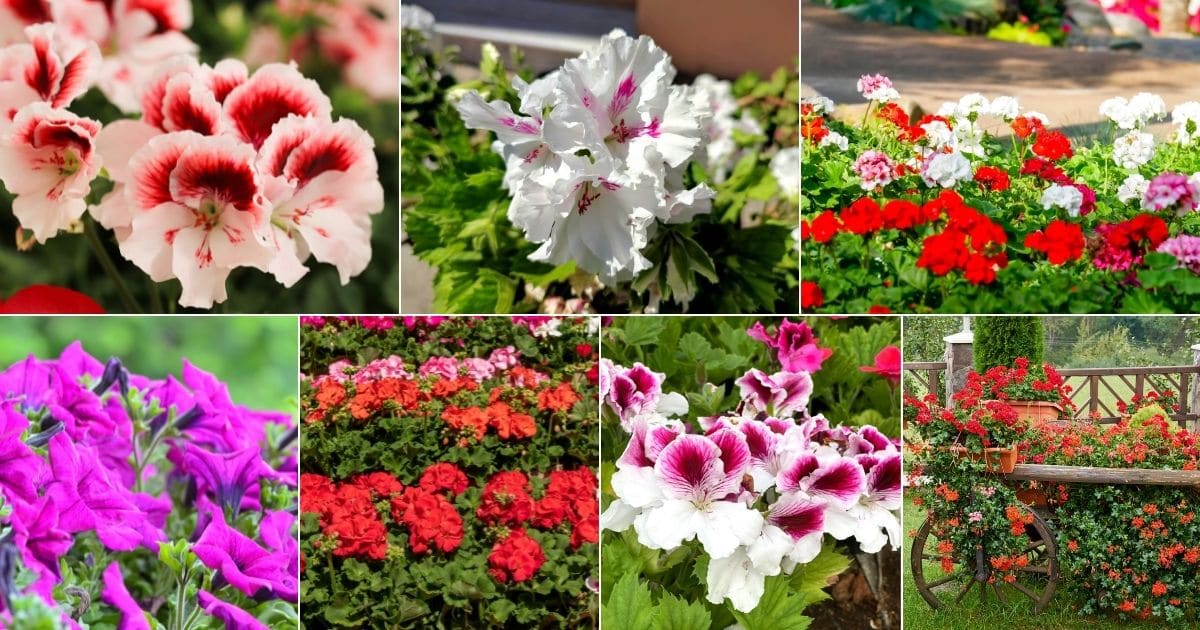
(925, 365)
(1116, 371)
(1051, 473)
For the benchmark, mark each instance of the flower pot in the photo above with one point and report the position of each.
(1036, 412)
(1001, 460)
(1032, 497)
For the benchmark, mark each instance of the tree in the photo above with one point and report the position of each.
(1000, 340)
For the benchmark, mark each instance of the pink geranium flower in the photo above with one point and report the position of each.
(887, 365)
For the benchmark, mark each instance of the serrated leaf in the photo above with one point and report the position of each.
(641, 331)
(629, 605)
(778, 608)
(674, 613)
(810, 580)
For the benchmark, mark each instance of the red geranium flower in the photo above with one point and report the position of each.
(824, 226)
(811, 295)
(1053, 145)
(559, 398)
(46, 299)
(515, 557)
(1062, 241)
(992, 178)
(862, 217)
(443, 476)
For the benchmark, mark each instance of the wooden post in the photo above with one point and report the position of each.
(1172, 18)
(1094, 395)
(1192, 404)
(960, 358)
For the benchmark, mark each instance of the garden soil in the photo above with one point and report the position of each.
(854, 606)
(928, 68)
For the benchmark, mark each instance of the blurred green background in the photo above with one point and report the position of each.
(256, 356)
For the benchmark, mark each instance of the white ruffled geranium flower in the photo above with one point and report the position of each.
(785, 167)
(1133, 113)
(720, 149)
(835, 139)
(1005, 107)
(1133, 188)
(971, 104)
(946, 169)
(1133, 149)
(595, 154)
(1068, 198)
(1186, 116)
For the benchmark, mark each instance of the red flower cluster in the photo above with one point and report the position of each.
(432, 521)
(348, 516)
(970, 242)
(1061, 241)
(371, 396)
(570, 497)
(561, 397)
(506, 499)
(992, 178)
(811, 295)
(443, 477)
(515, 557)
(1025, 126)
(1052, 145)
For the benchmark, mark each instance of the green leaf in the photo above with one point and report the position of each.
(674, 613)
(778, 609)
(629, 605)
(810, 580)
(641, 331)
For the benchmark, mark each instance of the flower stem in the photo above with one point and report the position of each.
(93, 239)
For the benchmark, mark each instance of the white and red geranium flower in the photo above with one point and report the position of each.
(224, 169)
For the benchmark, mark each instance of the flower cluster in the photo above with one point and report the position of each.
(223, 169)
(595, 155)
(943, 194)
(1017, 383)
(758, 488)
(91, 452)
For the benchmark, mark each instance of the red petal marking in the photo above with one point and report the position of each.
(225, 78)
(799, 519)
(220, 176)
(59, 134)
(318, 155)
(153, 179)
(622, 97)
(46, 72)
(73, 79)
(169, 236)
(203, 253)
(265, 99)
(30, 11)
(181, 113)
(167, 15)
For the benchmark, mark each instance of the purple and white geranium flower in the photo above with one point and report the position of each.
(758, 487)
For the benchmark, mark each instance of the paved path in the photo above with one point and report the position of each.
(930, 68)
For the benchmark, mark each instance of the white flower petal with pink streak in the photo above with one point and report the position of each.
(125, 75)
(57, 68)
(838, 479)
(272, 93)
(692, 472)
(498, 117)
(780, 394)
(332, 174)
(48, 160)
(198, 213)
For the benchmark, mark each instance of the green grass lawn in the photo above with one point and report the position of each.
(971, 614)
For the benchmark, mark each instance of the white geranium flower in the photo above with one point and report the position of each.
(1005, 107)
(1134, 113)
(835, 139)
(1147, 106)
(938, 134)
(1187, 117)
(1133, 188)
(1066, 197)
(785, 167)
(973, 103)
(820, 104)
(946, 169)
(947, 109)
(1133, 149)
(968, 137)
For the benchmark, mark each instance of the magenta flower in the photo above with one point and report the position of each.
(226, 476)
(794, 344)
(234, 618)
(242, 563)
(1171, 190)
(23, 469)
(887, 365)
(779, 394)
(89, 500)
(41, 542)
(116, 595)
(632, 391)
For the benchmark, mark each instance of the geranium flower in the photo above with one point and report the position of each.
(49, 67)
(780, 394)
(1061, 241)
(795, 345)
(515, 557)
(48, 160)
(872, 520)
(887, 365)
(46, 299)
(697, 473)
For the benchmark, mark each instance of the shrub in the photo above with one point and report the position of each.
(1000, 340)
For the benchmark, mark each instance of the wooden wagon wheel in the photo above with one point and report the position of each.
(939, 588)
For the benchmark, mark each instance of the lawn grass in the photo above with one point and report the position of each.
(970, 614)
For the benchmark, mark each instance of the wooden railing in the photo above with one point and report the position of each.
(1095, 391)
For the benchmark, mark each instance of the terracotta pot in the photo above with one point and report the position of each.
(1033, 498)
(1036, 412)
(722, 37)
(1001, 460)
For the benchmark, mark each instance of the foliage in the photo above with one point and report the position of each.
(1026, 21)
(489, 398)
(456, 210)
(1000, 340)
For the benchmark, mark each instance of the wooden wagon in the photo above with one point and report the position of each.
(1039, 578)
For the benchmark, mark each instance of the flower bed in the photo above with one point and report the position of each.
(139, 502)
(448, 475)
(178, 156)
(724, 519)
(944, 214)
(664, 196)
(1123, 549)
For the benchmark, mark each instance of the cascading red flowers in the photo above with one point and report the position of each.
(516, 557)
